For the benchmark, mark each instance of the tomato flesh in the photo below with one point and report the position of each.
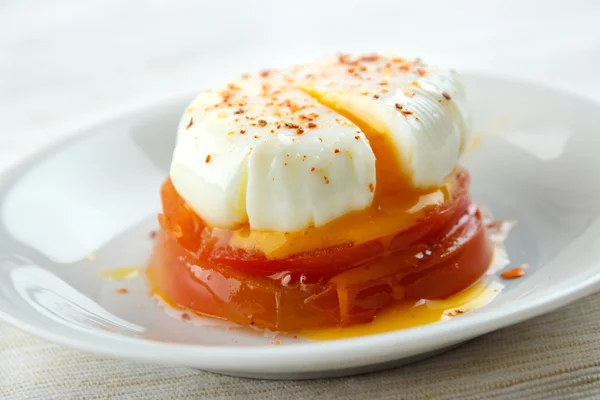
(444, 252)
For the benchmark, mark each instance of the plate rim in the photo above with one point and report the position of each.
(350, 352)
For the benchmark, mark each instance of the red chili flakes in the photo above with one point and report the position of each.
(207, 159)
(243, 131)
(185, 316)
(256, 137)
(152, 234)
(371, 188)
(454, 313)
(239, 111)
(289, 125)
(189, 125)
(288, 103)
(375, 96)
(265, 91)
(446, 96)
(312, 125)
(343, 58)
(370, 57)
(421, 72)
(398, 106)
(513, 273)
(404, 67)
(495, 225)
(406, 112)
(299, 131)
(357, 137)
(336, 151)
(351, 70)
(261, 122)
(121, 291)
(326, 180)
(265, 73)
(320, 140)
(312, 169)
(308, 117)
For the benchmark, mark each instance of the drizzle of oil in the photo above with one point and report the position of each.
(121, 273)
(409, 315)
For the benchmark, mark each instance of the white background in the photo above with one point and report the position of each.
(67, 64)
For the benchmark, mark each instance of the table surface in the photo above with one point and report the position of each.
(77, 63)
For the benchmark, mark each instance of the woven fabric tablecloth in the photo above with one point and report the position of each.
(556, 356)
(74, 63)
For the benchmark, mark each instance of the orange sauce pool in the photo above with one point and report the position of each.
(412, 314)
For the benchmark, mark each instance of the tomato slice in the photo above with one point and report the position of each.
(443, 252)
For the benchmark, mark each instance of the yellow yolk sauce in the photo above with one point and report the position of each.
(121, 273)
(411, 314)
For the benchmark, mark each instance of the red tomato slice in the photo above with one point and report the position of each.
(444, 252)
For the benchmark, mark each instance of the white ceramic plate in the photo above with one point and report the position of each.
(97, 194)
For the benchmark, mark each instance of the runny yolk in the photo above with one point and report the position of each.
(411, 314)
(392, 180)
(397, 204)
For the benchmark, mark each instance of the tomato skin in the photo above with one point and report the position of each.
(444, 253)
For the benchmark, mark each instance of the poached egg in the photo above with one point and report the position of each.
(287, 150)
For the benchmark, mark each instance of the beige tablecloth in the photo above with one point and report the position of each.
(556, 356)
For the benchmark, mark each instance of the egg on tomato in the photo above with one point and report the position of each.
(319, 195)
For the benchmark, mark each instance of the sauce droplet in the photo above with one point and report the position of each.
(121, 273)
